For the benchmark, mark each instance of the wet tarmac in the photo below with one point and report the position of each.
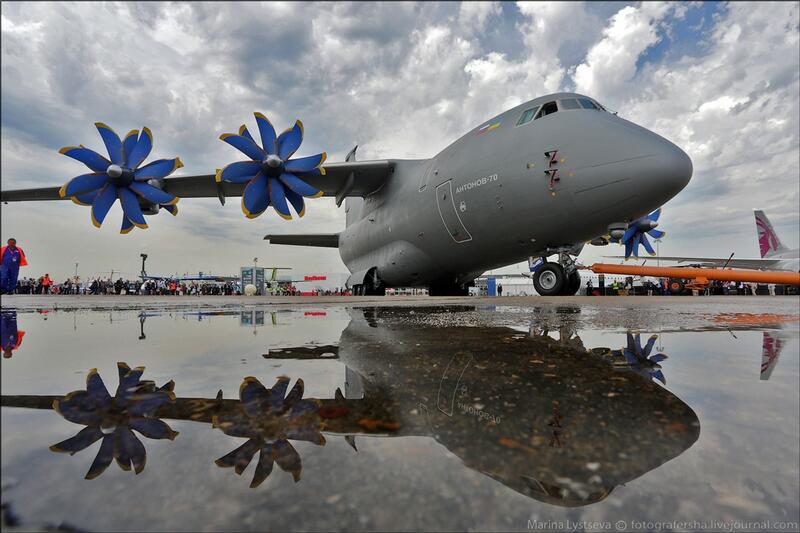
(400, 414)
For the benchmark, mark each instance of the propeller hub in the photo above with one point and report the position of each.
(272, 165)
(120, 176)
(646, 225)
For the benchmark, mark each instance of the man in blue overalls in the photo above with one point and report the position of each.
(11, 258)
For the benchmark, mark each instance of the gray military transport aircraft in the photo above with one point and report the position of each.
(541, 179)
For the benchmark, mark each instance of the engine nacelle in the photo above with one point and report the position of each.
(146, 207)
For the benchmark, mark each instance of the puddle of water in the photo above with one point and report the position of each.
(396, 418)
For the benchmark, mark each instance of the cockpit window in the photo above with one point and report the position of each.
(548, 108)
(568, 103)
(588, 104)
(527, 115)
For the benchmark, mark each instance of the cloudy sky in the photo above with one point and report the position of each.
(400, 80)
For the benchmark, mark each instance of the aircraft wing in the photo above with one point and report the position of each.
(748, 264)
(350, 178)
(324, 240)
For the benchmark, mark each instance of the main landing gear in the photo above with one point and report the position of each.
(557, 279)
(372, 286)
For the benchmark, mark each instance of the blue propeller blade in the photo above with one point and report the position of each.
(267, 131)
(659, 375)
(112, 142)
(90, 158)
(129, 143)
(130, 206)
(656, 234)
(244, 132)
(154, 195)
(298, 186)
(647, 245)
(305, 164)
(173, 209)
(85, 199)
(630, 232)
(102, 203)
(655, 214)
(158, 169)
(255, 199)
(247, 146)
(83, 184)
(141, 150)
(277, 197)
(240, 172)
(628, 249)
(127, 225)
(635, 245)
(289, 141)
(297, 202)
(657, 358)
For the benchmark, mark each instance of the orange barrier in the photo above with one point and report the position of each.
(701, 275)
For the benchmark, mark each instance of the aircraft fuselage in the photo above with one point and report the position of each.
(489, 199)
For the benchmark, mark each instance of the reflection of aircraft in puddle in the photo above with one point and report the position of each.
(10, 335)
(550, 421)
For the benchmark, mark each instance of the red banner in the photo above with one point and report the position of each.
(315, 278)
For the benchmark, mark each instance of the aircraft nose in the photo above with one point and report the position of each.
(669, 172)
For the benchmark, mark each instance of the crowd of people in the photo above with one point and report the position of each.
(152, 287)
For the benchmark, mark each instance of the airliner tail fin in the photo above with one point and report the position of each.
(768, 241)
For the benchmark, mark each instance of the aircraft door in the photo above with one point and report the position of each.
(447, 211)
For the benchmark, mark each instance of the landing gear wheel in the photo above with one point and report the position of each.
(676, 286)
(549, 280)
(572, 284)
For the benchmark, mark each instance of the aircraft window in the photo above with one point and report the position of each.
(527, 116)
(568, 103)
(548, 108)
(588, 104)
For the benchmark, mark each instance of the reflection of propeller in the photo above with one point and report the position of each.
(268, 418)
(640, 359)
(121, 177)
(113, 419)
(271, 177)
(637, 232)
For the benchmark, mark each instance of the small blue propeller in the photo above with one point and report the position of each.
(637, 232)
(271, 177)
(122, 177)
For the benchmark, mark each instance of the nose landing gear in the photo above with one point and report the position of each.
(558, 279)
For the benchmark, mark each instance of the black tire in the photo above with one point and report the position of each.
(549, 280)
(676, 286)
(572, 284)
